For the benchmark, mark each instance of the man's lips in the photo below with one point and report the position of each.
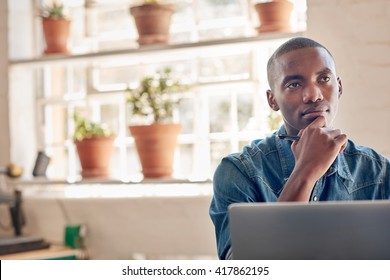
(314, 112)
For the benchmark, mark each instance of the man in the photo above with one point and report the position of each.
(322, 165)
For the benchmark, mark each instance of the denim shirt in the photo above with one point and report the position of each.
(259, 172)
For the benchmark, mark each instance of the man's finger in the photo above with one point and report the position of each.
(319, 122)
(333, 132)
(342, 140)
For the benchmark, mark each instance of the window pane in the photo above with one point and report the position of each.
(57, 167)
(214, 24)
(187, 115)
(133, 168)
(184, 164)
(211, 9)
(120, 74)
(109, 116)
(224, 68)
(220, 113)
(244, 111)
(56, 127)
(218, 151)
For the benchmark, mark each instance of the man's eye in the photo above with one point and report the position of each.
(325, 79)
(293, 85)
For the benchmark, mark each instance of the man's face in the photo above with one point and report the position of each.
(304, 86)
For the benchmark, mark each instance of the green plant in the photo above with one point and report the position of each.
(156, 97)
(87, 129)
(55, 10)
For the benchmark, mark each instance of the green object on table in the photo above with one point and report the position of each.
(73, 237)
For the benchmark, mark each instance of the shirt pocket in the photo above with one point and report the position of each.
(365, 180)
(364, 188)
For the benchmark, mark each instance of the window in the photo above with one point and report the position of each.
(225, 109)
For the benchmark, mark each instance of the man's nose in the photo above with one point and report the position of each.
(312, 93)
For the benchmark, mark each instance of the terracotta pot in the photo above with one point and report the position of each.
(56, 32)
(274, 16)
(156, 146)
(95, 155)
(153, 22)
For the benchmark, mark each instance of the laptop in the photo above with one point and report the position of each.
(308, 231)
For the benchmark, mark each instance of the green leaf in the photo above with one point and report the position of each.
(154, 97)
(85, 129)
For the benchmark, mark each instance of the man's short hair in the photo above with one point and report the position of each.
(291, 45)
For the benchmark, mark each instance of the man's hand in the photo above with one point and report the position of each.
(318, 148)
(314, 153)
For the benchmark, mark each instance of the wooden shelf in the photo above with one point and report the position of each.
(146, 50)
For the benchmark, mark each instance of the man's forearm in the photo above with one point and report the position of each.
(297, 188)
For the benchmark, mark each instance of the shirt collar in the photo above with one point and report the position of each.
(287, 159)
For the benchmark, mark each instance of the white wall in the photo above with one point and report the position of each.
(23, 147)
(4, 119)
(162, 221)
(357, 34)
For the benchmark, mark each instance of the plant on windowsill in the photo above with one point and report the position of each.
(153, 19)
(155, 101)
(94, 143)
(274, 15)
(56, 28)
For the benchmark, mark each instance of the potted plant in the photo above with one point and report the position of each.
(274, 16)
(154, 101)
(153, 19)
(94, 143)
(56, 28)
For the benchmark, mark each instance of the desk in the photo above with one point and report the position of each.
(55, 252)
(126, 221)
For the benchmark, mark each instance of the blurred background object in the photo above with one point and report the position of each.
(12, 170)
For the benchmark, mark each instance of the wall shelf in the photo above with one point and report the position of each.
(147, 50)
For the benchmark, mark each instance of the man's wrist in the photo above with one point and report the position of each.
(298, 187)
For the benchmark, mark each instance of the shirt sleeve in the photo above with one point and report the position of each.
(387, 179)
(230, 185)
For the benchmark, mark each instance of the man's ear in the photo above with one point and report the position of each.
(271, 101)
(340, 86)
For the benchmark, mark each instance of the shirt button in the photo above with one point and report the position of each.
(315, 198)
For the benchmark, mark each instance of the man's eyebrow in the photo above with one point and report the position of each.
(326, 70)
(288, 78)
(292, 77)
